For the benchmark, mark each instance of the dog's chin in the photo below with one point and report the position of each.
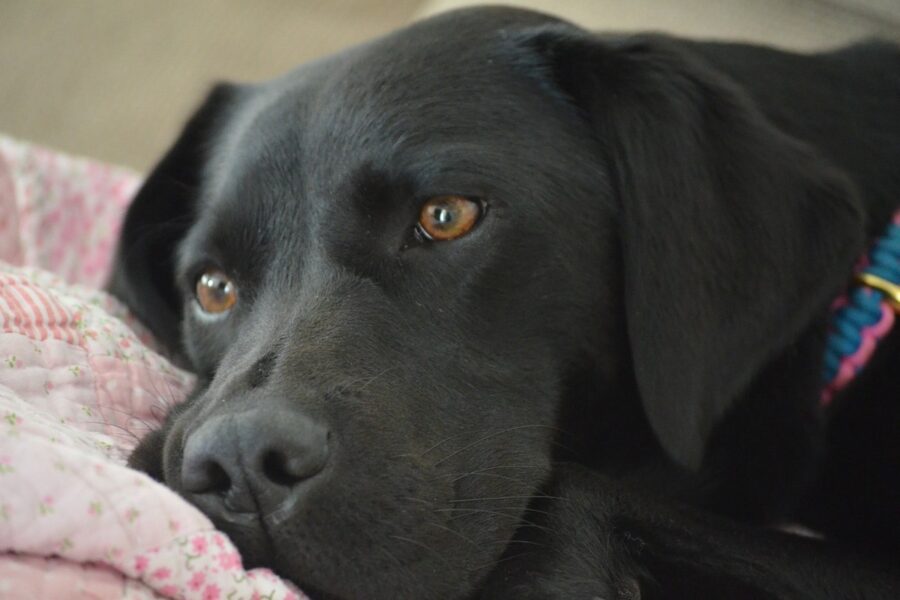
(323, 554)
(334, 572)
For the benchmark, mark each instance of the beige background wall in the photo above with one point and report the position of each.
(114, 79)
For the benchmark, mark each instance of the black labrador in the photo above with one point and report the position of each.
(496, 307)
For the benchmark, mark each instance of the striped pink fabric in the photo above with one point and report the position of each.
(31, 311)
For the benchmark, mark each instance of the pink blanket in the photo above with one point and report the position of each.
(80, 381)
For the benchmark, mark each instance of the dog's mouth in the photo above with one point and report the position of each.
(370, 525)
(334, 549)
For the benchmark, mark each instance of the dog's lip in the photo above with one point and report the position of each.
(205, 502)
(242, 519)
(285, 510)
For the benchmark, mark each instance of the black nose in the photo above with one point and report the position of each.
(252, 461)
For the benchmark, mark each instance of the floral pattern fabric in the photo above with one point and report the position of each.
(80, 382)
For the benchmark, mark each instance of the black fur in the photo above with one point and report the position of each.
(609, 388)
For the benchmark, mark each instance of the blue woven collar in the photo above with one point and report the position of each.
(865, 315)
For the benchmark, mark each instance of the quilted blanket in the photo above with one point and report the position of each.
(80, 382)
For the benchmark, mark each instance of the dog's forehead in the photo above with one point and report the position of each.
(445, 102)
(452, 60)
(446, 80)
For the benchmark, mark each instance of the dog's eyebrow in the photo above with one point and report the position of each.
(369, 187)
(368, 178)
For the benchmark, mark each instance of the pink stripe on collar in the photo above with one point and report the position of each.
(864, 315)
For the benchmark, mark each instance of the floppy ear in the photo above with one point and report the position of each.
(159, 216)
(734, 235)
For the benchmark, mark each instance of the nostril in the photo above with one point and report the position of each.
(219, 481)
(209, 458)
(288, 468)
(275, 467)
(204, 477)
(247, 462)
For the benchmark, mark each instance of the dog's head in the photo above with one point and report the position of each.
(389, 267)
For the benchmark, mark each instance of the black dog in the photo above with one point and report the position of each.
(495, 306)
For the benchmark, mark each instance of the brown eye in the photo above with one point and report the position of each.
(216, 293)
(448, 217)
